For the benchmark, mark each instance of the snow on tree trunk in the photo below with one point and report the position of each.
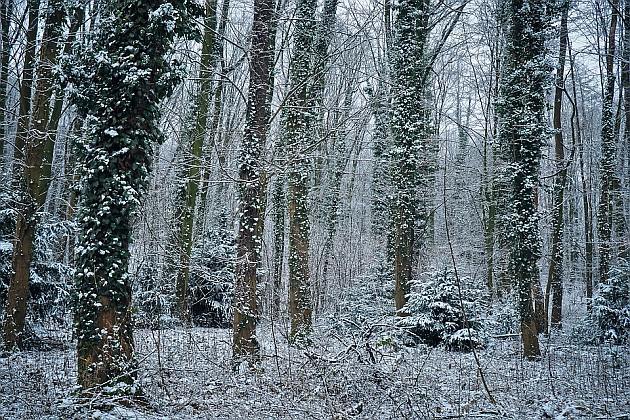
(34, 177)
(608, 159)
(411, 150)
(194, 141)
(6, 10)
(298, 122)
(522, 130)
(555, 278)
(252, 185)
(119, 81)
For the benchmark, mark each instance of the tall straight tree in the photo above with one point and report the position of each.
(522, 129)
(120, 80)
(6, 9)
(409, 128)
(410, 132)
(414, 150)
(297, 124)
(36, 153)
(252, 188)
(622, 227)
(194, 140)
(554, 280)
(608, 159)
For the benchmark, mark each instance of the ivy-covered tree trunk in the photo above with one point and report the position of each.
(522, 129)
(194, 141)
(554, 280)
(319, 63)
(120, 80)
(411, 149)
(608, 159)
(34, 175)
(252, 185)
(278, 198)
(298, 123)
(380, 108)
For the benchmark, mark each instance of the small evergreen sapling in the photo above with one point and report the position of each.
(212, 278)
(611, 305)
(437, 316)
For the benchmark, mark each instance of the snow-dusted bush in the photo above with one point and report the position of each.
(51, 280)
(437, 315)
(153, 298)
(504, 317)
(611, 305)
(367, 300)
(212, 279)
(50, 276)
(609, 319)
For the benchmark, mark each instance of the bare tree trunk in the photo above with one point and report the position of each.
(6, 8)
(622, 231)
(555, 280)
(588, 220)
(38, 145)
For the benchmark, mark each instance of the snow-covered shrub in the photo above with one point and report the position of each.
(152, 299)
(609, 319)
(611, 304)
(367, 300)
(50, 277)
(504, 317)
(212, 279)
(436, 314)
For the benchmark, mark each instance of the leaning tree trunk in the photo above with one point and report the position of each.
(37, 151)
(298, 122)
(554, 280)
(252, 188)
(122, 115)
(522, 129)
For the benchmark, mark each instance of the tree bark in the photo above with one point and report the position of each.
(195, 137)
(555, 280)
(298, 125)
(37, 151)
(6, 9)
(522, 130)
(411, 149)
(622, 231)
(608, 158)
(252, 187)
(122, 115)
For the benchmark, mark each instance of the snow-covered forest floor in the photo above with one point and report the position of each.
(186, 373)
